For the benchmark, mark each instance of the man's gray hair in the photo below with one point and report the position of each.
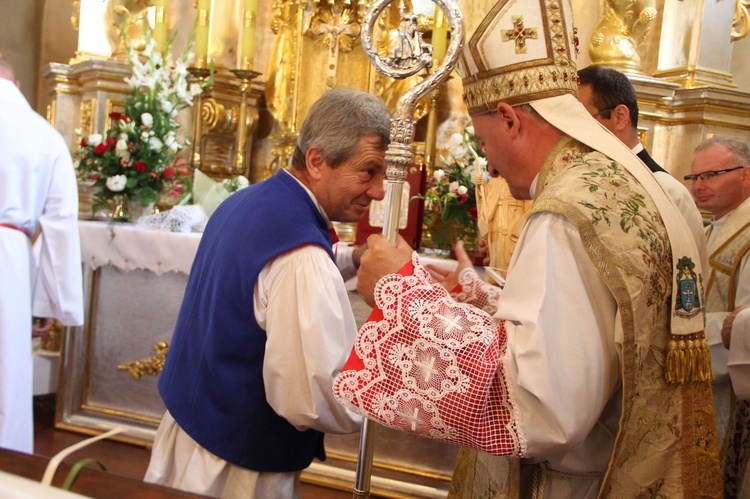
(336, 122)
(740, 150)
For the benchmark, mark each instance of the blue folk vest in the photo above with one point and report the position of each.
(212, 382)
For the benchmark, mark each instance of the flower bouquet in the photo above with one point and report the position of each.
(137, 157)
(450, 197)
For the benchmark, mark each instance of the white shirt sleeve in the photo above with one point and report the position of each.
(564, 338)
(301, 303)
(58, 290)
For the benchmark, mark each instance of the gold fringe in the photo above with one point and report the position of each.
(688, 359)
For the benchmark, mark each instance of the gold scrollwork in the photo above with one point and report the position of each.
(151, 365)
(87, 116)
(335, 27)
(217, 117)
(741, 21)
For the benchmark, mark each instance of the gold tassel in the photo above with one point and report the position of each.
(688, 359)
(699, 373)
(707, 359)
(690, 370)
(681, 362)
(671, 366)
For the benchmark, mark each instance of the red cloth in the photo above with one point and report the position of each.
(426, 364)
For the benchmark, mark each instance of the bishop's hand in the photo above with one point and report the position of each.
(449, 278)
(380, 258)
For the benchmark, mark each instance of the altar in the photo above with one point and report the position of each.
(134, 280)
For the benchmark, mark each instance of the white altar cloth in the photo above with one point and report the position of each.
(128, 247)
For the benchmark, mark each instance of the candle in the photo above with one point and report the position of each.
(160, 25)
(247, 48)
(439, 35)
(202, 30)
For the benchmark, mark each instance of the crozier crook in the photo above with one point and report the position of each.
(413, 55)
(400, 153)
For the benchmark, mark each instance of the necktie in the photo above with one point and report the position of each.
(334, 235)
(335, 240)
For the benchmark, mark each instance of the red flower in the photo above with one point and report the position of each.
(168, 173)
(84, 142)
(100, 149)
(119, 116)
(140, 166)
(473, 212)
(111, 142)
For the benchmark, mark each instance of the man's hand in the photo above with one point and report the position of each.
(380, 258)
(726, 328)
(449, 278)
(41, 326)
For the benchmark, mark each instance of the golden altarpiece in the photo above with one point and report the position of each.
(678, 54)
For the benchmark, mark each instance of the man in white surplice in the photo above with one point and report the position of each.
(38, 191)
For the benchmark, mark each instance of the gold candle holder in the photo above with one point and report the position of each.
(200, 74)
(245, 76)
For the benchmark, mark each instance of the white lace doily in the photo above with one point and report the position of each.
(187, 218)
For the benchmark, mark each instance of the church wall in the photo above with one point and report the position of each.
(20, 41)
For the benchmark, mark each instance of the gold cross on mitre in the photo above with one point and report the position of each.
(519, 34)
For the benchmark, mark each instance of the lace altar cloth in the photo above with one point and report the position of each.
(129, 247)
(425, 364)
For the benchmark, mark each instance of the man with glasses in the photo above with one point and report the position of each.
(610, 98)
(721, 185)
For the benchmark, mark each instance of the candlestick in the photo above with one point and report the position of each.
(247, 49)
(202, 31)
(200, 75)
(245, 76)
(160, 25)
(439, 35)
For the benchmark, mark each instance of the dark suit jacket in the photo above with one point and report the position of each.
(652, 165)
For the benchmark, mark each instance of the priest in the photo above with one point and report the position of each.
(38, 202)
(588, 374)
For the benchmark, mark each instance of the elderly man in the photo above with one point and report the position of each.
(589, 366)
(38, 192)
(266, 322)
(721, 185)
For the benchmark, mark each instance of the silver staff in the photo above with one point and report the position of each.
(410, 56)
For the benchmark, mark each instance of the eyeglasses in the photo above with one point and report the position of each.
(605, 110)
(706, 176)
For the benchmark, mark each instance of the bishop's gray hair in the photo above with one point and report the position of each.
(739, 149)
(335, 123)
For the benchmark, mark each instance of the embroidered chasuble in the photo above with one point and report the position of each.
(726, 252)
(440, 365)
